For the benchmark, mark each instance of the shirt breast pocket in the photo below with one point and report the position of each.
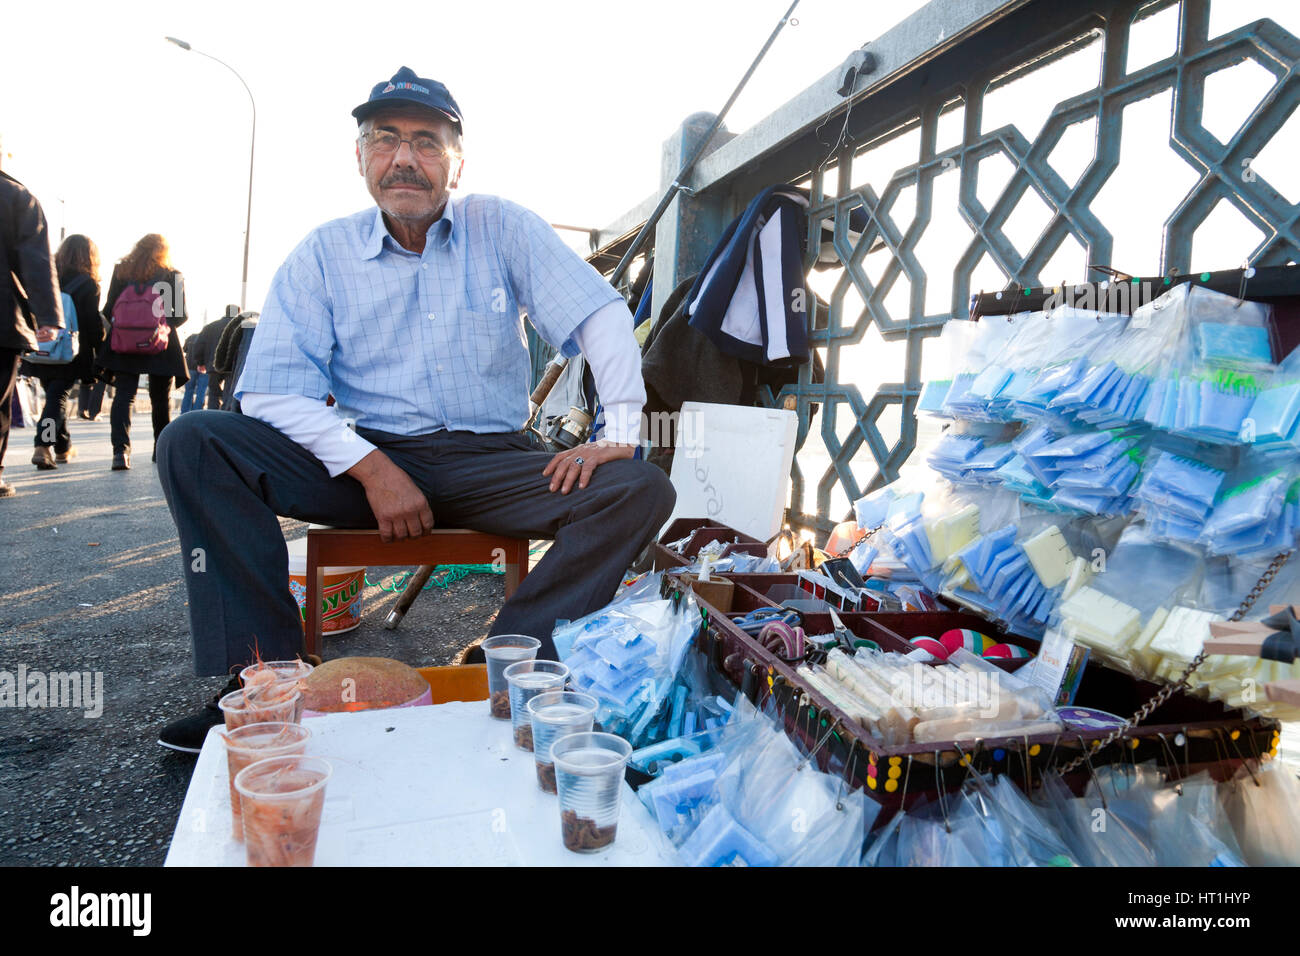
(494, 342)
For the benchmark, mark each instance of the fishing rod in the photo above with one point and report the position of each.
(558, 364)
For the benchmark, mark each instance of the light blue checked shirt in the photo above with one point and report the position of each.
(413, 343)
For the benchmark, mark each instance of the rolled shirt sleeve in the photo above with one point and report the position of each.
(610, 348)
(313, 425)
(550, 281)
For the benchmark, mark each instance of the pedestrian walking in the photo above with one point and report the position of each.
(77, 267)
(196, 388)
(145, 303)
(209, 338)
(30, 308)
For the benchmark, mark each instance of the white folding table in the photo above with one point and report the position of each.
(417, 786)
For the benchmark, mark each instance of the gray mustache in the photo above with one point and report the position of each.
(405, 178)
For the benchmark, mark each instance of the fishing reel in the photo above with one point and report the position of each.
(568, 431)
(564, 431)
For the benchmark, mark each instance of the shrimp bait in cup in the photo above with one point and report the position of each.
(250, 743)
(281, 800)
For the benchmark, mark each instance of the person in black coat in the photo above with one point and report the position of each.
(209, 339)
(77, 264)
(29, 292)
(148, 264)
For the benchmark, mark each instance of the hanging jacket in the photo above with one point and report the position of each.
(750, 298)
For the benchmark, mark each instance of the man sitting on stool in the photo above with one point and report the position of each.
(410, 315)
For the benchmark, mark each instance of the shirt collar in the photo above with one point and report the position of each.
(439, 233)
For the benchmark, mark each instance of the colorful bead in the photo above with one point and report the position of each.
(1013, 652)
(973, 641)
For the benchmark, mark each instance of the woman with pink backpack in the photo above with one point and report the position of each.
(146, 302)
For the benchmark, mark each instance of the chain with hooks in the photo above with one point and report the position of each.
(1169, 690)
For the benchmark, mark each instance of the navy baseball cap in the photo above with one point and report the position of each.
(406, 87)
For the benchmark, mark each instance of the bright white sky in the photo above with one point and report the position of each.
(566, 106)
(567, 103)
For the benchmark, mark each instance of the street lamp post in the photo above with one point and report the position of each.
(252, 142)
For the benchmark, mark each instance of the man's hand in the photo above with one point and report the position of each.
(202, 370)
(399, 506)
(46, 333)
(577, 464)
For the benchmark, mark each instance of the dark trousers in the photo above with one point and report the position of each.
(91, 398)
(9, 359)
(227, 476)
(196, 389)
(52, 428)
(124, 388)
(216, 390)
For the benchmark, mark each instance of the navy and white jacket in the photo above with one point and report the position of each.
(750, 298)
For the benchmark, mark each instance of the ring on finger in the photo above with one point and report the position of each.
(579, 460)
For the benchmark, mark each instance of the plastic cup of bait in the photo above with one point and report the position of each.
(553, 715)
(250, 743)
(500, 652)
(281, 800)
(589, 777)
(525, 680)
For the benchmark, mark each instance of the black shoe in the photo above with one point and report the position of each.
(122, 460)
(188, 733)
(7, 490)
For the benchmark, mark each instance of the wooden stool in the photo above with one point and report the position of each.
(330, 547)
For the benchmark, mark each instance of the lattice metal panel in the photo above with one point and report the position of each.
(852, 449)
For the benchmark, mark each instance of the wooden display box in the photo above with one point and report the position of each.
(702, 531)
(1185, 734)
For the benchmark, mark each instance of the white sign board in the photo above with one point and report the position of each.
(732, 464)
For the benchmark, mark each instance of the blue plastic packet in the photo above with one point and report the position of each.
(1049, 383)
(934, 396)
(982, 468)
(1096, 383)
(1113, 480)
(1017, 477)
(1249, 503)
(1232, 345)
(1181, 483)
(1162, 403)
(1274, 413)
(622, 653)
(1089, 503)
(989, 383)
(958, 401)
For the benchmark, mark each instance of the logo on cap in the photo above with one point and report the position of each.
(405, 86)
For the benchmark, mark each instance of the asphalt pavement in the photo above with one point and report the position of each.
(90, 581)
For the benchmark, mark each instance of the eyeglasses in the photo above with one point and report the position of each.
(383, 142)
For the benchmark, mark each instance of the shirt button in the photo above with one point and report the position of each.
(439, 368)
(424, 265)
(432, 316)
